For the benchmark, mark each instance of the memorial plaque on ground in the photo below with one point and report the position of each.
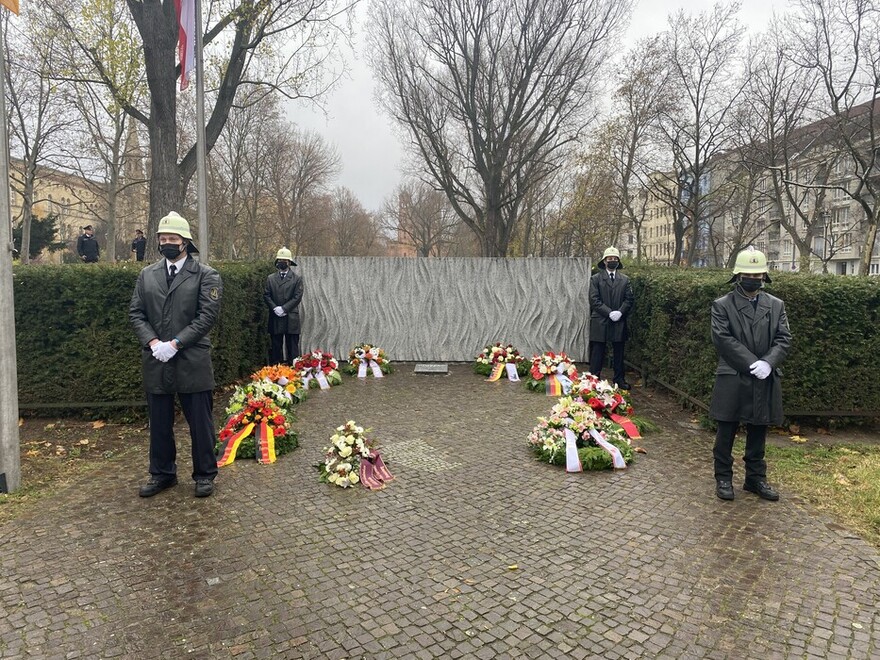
(432, 368)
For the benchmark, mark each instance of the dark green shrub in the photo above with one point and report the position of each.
(832, 365)
(75, 343)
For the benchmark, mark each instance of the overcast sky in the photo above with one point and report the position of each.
(372, 154)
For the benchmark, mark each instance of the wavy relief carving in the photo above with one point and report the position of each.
(445, 309)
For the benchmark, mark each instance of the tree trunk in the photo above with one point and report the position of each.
(868, 248)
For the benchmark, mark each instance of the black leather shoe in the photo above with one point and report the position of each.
(204, 487)
(724, 490)
(155, 486)
(763, 490)
(624, 386)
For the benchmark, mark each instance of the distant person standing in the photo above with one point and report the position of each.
(139, 245)
(284, 292)
(751, 336)
(611, 303)
(87, 246)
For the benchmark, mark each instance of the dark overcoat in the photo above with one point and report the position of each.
(187, 310)
(743, 335)
(605, 297)
(287, 293)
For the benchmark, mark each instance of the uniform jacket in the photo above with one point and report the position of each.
(139, 246)
(187, 310)
(743, 335)
(605, 297)
(286, 293)
(87, 246)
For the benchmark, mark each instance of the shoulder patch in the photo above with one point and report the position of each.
(214, 293)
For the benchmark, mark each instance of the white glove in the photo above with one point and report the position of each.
(164, 351)
(760, 369)
(279, 311)
(615, 316)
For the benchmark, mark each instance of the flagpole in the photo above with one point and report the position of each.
(201, 167)
(10, 461)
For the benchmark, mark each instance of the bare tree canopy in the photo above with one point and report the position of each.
(493, 93)
(283, 46)
(421, 218)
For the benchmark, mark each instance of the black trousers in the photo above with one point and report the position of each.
(197, 408)
(597, 360)
(276, 355)
(756, 440)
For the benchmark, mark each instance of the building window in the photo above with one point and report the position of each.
(845, 242)
(875, 269)
(840, 217)
(786, 247)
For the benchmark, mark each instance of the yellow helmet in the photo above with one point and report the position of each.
(751, 262)
(611, 252)
(284, 253)
(174, 224)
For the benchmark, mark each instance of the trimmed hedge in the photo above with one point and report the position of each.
(832, 365)
(75, 343)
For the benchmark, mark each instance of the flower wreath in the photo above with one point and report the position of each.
(352, 459)
(608, 400)
(552, 373)
(367, 355)
(311, 364)
(499, 353)
(286, 377)
(548, 439)
(257, 426)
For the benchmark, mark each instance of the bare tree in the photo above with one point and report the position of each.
(420, 217)
(283, 46)
(702, 51)
(104, 149)
(36, 118)
(355, 231)
(643, 93)
(840, 39)
(300, 170)
(492, 93)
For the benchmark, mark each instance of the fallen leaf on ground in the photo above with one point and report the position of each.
(843, 481)
(794, 428)
(32, 452)
(84, 441)
(822, 431)
(21, 421)
(640, 450)
(98, 425)
(513, 567)
(49, 426)
(798, 438)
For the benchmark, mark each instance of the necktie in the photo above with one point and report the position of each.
(612, 277)
(172, 271)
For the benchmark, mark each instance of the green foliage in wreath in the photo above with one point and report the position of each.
(283, 444)
(333, 377)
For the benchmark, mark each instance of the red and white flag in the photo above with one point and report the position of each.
(186, 39)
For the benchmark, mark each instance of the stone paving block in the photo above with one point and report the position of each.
(645, 563)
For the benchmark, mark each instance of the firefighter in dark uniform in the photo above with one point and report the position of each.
(284, 292)
(611, 303)
(87, 246)
(751, 335)
(175, 304)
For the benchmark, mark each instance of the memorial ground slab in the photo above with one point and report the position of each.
(475, 550)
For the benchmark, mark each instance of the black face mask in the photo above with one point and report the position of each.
(170, 251)
(612, 265)
(750, 285)
(281, 265)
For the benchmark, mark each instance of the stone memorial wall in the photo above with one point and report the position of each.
(445, 309)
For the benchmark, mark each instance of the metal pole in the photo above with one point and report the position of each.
(201, 174)
(10, 460)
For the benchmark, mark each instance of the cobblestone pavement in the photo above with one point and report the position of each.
(474, 551)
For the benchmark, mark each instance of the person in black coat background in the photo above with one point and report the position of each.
(611, 303)
(87, 246)
(139, 245)
(284, 292)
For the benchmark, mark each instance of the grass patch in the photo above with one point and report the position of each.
(841, 480)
